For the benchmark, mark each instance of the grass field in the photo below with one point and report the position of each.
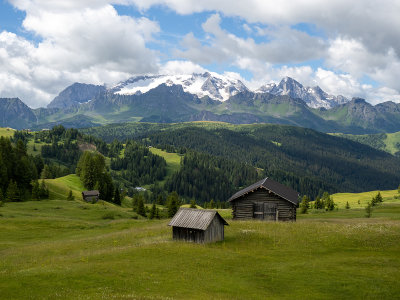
(59, 187)
(353, 198)
(58, 249)
(6, 132)
(173, 160)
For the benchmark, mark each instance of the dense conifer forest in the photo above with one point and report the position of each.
(309, 161)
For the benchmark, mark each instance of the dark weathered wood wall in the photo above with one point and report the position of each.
(188, 234)
(214, 233)
(243, 207)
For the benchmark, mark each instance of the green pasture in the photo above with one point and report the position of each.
(6, 132)
(173, 160)
(58, 249)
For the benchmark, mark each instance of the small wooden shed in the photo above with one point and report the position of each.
(91, 196)
(198, 225)
(266, 200)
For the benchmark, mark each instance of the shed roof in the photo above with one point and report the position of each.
(90, 193)
(195, 218)
(271, 185)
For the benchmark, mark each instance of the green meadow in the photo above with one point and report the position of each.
(59, 249)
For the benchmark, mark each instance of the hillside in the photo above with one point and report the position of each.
(307, 160)
(389, 142)
(71, 249)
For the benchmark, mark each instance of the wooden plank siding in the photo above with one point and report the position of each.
(214, 232)
(243, 207)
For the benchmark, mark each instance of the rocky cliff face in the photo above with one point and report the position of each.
(15, 114)
(76, 94)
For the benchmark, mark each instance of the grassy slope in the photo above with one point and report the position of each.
(388, 142)
(6, 132)
(59, 187)
(173, 161)
(63, 249)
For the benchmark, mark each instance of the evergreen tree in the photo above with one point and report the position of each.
(117, 196)
(46, 173)
(12, 194)
(368, 210)
(212, 204)
(140, 207)
(1, 196)
(329, 203)
(304, 204)
(153, 211)
(172, 203)
(377, 199)
(43, 191)
(193, 203)
(318, 204)
(347, 205)
(157, 215)
(35, 190)
(70, 196)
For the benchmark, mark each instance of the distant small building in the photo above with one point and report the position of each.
(266, 200)
(140, 189)
(91, 196)
(198, 225)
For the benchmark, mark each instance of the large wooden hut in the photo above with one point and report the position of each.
(197, 225)
(266, 200)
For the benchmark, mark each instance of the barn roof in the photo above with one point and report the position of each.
(90, 193)
(195, 218)
(271, 185)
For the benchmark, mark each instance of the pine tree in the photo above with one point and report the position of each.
(347, 205)
(368, 210)
(35, 190)
(140, 207)
(172, 204)
(212, 204)
(43, 191)
(193, 203)
(46, 173)
(153, 211)
(117, 196)
(12, 194)
(304, 204)
(2, 200)
(70, 196)
(157, 215)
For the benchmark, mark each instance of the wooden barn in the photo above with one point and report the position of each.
(91, 196)
(198, 225)
(266, 200)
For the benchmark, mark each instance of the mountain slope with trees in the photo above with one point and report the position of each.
(308, 161)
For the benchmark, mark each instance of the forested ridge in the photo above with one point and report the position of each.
(307, 160)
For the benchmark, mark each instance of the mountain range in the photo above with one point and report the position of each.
(203, 97)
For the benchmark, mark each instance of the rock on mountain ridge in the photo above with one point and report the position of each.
(315, 97)
(76, 94)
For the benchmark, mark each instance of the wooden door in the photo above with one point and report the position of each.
(269, 211)
(258, 210)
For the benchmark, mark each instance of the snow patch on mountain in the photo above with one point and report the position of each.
(213, 85)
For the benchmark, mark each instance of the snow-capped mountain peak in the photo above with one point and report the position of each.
(314, 96)
(213, 85)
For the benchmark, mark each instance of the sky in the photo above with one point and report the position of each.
(349, 48)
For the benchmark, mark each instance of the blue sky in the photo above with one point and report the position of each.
(46, 45)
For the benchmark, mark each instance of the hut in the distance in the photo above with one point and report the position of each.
(91, 196)
(266, 200)
(198, 225)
